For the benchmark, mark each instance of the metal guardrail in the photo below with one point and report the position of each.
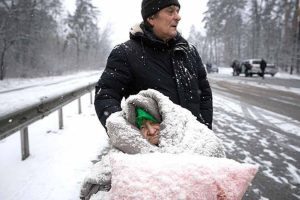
(21, 119)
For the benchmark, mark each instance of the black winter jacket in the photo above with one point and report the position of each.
(174, 68)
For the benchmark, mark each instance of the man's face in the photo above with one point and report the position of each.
(150, 130)
(165, 22)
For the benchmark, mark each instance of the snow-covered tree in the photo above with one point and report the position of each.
(25, 25)
(83, 28)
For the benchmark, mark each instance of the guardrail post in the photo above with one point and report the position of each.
(24, 143)
(60, 118)
(79, 105)
(91, 97)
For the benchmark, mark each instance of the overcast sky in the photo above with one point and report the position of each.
(122, 14)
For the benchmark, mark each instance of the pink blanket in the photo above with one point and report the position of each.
(178, 176)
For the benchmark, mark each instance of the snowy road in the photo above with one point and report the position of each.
(281, 101)
(261, 125)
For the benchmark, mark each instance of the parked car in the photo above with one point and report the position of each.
(252, 66)
(211, 68)
(271, 69)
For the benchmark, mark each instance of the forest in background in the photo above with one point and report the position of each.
(245, 29)
(39, 38)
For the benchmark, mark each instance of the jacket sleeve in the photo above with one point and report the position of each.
(113, 84)
(206, 101)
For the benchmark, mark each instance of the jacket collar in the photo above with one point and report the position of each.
(143, 33)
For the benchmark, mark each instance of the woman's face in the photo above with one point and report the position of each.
(150, 130)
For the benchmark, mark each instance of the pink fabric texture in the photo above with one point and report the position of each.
(161, 176)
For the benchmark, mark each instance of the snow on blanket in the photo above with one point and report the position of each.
(180, 131)
(177, 176)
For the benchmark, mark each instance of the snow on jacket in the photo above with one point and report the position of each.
(180, 133)
(174, 68)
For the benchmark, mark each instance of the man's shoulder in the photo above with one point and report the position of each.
(132, 47)
(191, 46)
(128, 45)
(132, 43)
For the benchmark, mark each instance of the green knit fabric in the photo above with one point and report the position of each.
(142, 115)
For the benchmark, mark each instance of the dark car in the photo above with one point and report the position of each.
(271, 69)
(211, 68)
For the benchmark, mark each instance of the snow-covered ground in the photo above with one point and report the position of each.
(59, 159)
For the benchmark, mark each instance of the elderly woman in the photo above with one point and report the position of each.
(150, 122)
(148, 125)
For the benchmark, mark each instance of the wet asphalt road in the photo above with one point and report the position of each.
(278, 101)
(258, 138)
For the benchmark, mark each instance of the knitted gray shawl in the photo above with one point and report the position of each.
(180, 131)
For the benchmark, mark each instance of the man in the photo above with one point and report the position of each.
(156, 57)
(263, 65)
(148, 125)
(236, 68)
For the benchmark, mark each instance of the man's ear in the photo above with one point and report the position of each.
(150, 20)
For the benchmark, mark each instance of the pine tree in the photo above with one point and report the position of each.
(83, 28)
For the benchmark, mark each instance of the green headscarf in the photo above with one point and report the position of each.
(142, 115)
